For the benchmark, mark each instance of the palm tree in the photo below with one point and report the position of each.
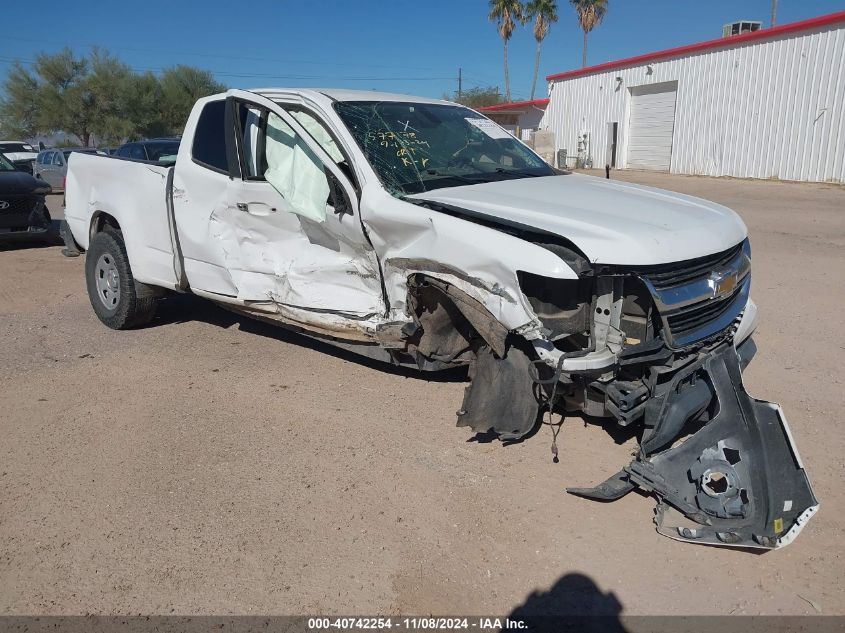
(544, 13)
(590, 14)
(506, 14)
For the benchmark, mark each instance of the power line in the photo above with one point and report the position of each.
(222, 56)
(30, 62)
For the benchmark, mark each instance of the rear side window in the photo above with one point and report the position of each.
(209, 147)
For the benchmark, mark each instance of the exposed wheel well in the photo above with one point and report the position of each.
(99, 221)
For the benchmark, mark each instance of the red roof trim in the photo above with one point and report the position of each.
(514, 104)
(824, 20)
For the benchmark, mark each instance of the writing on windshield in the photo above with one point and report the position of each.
(415, 147)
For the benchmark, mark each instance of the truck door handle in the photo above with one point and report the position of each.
(255, 208)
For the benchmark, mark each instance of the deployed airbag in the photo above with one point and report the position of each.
(295, 171)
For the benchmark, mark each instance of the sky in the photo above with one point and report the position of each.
(413, 47)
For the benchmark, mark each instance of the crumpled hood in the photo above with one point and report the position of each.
(612, 222)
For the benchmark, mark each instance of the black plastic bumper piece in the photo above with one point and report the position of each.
(738, 479)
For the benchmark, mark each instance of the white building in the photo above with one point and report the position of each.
(520, 118)
(763, 104)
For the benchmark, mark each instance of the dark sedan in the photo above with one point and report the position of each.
(23, 213)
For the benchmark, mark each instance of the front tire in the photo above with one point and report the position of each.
(111, 286)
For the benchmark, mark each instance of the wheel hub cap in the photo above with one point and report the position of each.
(108, 281)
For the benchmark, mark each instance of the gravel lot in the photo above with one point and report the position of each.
(211, 464)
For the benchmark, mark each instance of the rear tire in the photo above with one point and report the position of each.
(111, 286)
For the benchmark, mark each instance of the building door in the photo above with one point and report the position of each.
(650, 126)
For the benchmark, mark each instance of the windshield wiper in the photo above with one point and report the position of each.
(519, 173)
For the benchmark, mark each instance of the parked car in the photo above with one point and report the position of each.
(423, 234)
(23, 213)
(51, 164)
(21, 154)
(155, 150)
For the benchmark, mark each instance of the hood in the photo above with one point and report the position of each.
(611, 222)
(12, 182)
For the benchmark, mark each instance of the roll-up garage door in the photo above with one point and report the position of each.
(650, 126)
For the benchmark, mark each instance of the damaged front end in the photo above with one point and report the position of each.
(660, 347)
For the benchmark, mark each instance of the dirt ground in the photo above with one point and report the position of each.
(209, 464)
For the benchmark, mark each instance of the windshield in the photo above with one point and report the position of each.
(5, 164)
(16, 147)
(416, 147)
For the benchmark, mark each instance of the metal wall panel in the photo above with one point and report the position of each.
(765, 109)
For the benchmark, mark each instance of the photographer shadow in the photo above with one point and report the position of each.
(574, 603)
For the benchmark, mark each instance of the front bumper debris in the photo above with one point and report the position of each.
(738, 480)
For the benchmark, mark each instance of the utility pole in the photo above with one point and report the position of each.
(774, 12)
(460, 82)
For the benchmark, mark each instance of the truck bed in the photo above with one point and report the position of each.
(134, 194)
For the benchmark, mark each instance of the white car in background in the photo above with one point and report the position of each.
(21, 154)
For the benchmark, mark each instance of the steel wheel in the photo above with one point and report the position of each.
(108, 281)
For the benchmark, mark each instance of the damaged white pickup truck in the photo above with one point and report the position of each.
(421, 233)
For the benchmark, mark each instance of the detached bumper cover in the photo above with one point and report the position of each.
(739, 479)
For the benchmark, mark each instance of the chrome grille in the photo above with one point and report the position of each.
(700, 298)
(668, 275)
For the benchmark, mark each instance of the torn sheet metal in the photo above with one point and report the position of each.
(290, 260)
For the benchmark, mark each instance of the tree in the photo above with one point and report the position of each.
(506, 14)
(19, 110)
(476, 97)
(98, 96)
(50, 98)
(544, 13)
(181, 86)
(590, 14)
(109, 86)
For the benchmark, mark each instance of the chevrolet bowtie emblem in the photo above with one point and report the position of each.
(721, 282)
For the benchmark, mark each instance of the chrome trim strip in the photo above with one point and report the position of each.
(675, 298)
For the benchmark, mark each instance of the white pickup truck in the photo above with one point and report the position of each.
(421, 233)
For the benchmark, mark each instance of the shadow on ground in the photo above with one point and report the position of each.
(574, 603)
(179, 308)
(21, 241)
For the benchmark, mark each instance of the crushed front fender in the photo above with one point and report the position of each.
(738, 479)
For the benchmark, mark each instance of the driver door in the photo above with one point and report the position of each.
(289, 230)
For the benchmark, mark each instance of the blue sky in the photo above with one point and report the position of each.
(396, 45)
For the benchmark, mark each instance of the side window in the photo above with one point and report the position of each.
(57, 158)
(209, 147)
(317, 130)
(136, 152)
(123, 151)
(41, 157)
(274, 152)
